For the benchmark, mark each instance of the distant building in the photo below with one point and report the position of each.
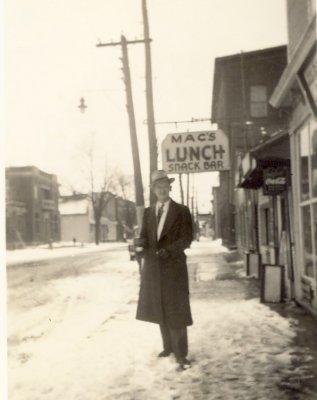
(32, 214)
(243, 84)
(78, 221)
(205, 225)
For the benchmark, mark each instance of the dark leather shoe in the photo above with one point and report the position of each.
(164, 353)
(183, 364)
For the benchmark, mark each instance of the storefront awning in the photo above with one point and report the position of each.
(255, 177)
(272, 156)
(249, 176)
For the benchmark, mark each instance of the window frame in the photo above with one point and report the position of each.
(308, 127)
(253, 102)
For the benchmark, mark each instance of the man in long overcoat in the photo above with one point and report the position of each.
(164, 291)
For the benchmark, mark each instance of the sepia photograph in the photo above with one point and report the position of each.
(159, 200)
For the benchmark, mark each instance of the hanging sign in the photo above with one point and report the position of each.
(274, 180)
(194, 152)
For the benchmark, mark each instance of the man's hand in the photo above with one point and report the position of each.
(162, 253)
(139, 244)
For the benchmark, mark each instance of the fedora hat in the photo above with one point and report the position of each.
(159, 176)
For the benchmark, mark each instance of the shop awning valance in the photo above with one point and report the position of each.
(254, 177)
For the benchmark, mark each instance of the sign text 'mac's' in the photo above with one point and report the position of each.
(201, 137)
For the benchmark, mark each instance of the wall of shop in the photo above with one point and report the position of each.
(304, 146)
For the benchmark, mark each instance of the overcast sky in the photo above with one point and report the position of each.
(52, 61)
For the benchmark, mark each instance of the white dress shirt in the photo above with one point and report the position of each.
(163, 217)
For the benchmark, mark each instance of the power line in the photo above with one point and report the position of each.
(120, 43)
(193, 120)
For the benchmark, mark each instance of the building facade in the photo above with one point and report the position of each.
(296, 94)
(32, 214)
(78, 220)
(243, 84)
(264, 210)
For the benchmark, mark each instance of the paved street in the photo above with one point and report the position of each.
(73, 334)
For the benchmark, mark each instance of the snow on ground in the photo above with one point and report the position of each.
(76, 338)
(43, 252)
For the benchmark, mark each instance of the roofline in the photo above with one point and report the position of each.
(279, 136)
(77, 196)
(251, 53)
(28, 167)
(223, 60)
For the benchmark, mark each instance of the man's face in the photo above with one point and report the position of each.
(162, 190)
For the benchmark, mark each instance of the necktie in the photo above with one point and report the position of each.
(160, 212)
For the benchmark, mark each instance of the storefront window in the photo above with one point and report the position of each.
(315, 230)
(314, 162)
(267, 227)
(307, 242)
(308, 204)
(246, 228)
(241, 219)
(283, 215)
(37, 223)
(304, 164)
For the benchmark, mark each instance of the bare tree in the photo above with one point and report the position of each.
(124, 183)
(100, 194)
(102, 182)
(125, 187)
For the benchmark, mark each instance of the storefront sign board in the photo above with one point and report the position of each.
(194, 152)
(274, 180)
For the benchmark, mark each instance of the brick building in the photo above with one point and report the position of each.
(32, 214)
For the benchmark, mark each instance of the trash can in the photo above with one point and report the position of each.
(272, 281)
(252, 262)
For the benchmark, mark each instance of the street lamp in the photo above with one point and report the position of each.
(82, 106)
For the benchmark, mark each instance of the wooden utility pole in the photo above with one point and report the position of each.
(245, 116)
(192, 209)
(188, 190)
(149, 96)
(139, 197)
(181, 187)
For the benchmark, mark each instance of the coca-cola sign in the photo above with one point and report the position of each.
(274, 179)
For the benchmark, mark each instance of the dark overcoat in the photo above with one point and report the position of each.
(164, 288)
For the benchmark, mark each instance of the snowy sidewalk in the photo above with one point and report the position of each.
(75, 337)
(240, 349)
(243, 349)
